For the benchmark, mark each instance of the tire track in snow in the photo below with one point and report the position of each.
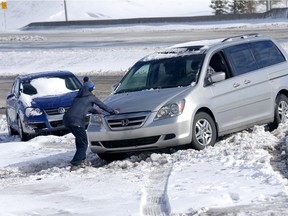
(155, 201)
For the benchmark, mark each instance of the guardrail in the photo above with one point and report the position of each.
(274, 13)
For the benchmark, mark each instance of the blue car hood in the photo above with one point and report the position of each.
(50, 102)
(147, 100)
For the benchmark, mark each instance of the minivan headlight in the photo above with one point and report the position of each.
(96, 119)
(170, 110)
(30, 111)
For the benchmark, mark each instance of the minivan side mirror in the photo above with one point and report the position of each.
(215, 77)
(218, 76)
(114, 86)
(10, 95)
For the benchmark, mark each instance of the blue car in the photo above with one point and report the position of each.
(37, 102)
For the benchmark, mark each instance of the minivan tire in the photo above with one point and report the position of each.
(280, 111)
(204, 132)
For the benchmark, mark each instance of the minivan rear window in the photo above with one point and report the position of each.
(242, 59)
(252, 56)
(266, 53)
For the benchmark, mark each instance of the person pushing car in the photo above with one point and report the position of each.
(74, 121)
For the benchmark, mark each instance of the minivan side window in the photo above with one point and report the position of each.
(266, 53)
(242, 59)
(219, 64)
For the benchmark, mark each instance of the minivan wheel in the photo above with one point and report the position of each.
(280, 111)
(23, 136)
(203, 131)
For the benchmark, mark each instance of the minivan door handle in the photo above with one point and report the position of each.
(235, 85)
(247, 81)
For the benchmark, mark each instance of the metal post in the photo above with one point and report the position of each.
(5, 26)
(4, 8)
(65, 9)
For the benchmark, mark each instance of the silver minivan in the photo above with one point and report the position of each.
(192, 93)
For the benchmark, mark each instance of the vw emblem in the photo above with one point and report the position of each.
(125, 122)
(61, 110)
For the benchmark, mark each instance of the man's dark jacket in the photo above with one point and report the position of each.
(81, 106)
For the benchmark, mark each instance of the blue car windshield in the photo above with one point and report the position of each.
(162, 73)
(46, 86)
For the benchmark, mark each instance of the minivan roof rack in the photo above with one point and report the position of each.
(241, 36)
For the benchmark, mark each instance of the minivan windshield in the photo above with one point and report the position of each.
(162, 73)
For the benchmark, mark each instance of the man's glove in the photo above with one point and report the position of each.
(116, 111)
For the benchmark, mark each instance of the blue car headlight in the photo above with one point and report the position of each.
(170, 110)
(30, 111)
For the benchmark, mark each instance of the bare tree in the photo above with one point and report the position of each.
(252, 6)
(271, 3)
(242, 6)
(237, 6)
(219, 6)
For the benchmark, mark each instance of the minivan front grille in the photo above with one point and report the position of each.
(127, 121)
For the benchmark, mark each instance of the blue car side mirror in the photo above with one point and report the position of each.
(10, 95)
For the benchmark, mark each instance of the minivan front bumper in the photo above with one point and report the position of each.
(147, 135)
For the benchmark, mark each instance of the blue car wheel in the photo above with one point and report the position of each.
(11, 131)
(24, 136)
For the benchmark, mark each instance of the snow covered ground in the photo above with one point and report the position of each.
(245, 173)
(20, 13)
(237, 173)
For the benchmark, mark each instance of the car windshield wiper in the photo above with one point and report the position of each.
(129, 90)
(149, 88)
(172, 86)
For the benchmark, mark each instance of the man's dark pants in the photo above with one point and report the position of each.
(81, 142)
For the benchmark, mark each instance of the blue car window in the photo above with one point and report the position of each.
(29, 89)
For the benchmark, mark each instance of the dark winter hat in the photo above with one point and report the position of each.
(90, 85)
(85, 79)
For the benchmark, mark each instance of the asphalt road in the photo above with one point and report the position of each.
(117, 38)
